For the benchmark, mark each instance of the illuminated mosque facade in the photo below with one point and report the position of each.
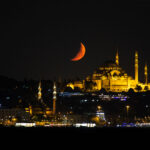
(112, 77)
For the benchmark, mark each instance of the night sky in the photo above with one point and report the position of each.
(38, 39)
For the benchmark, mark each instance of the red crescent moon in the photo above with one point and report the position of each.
(80, 54)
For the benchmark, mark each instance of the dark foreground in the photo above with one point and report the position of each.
(68, 130)
(74, 137)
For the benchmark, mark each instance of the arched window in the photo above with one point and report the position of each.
(115, 74)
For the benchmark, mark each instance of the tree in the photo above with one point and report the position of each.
(146, 88)
(130, 90)
(138, 88)
(68, 89)
(102, 90)
(89, 85)
(77, 89)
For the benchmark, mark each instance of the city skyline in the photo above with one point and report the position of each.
(75, 65)
(39, 39)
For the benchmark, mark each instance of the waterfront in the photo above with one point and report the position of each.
(85, 71)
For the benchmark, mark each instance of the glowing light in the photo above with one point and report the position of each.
(25, 124)
(85, 125)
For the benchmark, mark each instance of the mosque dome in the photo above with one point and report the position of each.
(109, 63)
(109, 68)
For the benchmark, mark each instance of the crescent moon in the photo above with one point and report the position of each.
(80, 53)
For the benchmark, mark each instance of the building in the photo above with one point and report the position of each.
(42, 108)
(11, 116)
(111, 77)
(38, 110)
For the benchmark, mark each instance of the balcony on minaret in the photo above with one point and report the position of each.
(136, 67)
(146, 74)
(39, 91)
(117, 58)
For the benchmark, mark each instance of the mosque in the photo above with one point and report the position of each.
(44, 110)
(111, 77)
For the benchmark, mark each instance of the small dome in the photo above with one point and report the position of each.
(110, 63)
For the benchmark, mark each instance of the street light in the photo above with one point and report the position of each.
(99, 107)
(127, 107)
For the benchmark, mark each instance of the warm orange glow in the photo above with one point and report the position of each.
(99, 107)
(80, 54)
(96, 119)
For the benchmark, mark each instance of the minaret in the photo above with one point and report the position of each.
(117, 58)
(136, 67)
(54, 98)
(39, 91)
(30, 110)
(146, 74)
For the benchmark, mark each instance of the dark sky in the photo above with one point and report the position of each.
(38, 38)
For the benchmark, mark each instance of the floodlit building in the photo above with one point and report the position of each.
(112, 77)
(42, 108)
(13, 115)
